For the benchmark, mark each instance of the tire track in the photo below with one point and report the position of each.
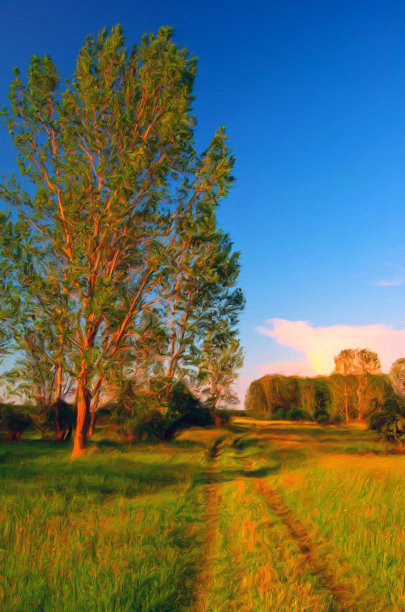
(213, 501)
(318, 566)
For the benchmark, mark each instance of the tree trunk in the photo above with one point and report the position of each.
(92, 420)
(218, 422)
(83, 420)
(56, 402)
(346, 406)
(93, 411)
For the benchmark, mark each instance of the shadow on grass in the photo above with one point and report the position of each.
(33, 449)
(102, 481)
(44, 468)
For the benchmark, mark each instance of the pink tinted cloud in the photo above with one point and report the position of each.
(320, 344)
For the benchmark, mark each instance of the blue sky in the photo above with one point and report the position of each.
(312, 95)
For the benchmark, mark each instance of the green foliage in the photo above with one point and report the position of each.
(55, 421)
(221, 355)
(167, 407)
(14, 421)
(326, 399)
(119, 262)
(389, 422)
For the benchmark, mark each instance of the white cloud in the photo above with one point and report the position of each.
(319, 345)
(396, 282)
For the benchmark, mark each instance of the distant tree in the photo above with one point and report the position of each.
(362, 363)
(322, 397)
(397, 376)
(357, 361)
(256, 402)
(37, 321)
(274, 395)
(344, 392)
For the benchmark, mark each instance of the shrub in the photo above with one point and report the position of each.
(321, 416)
(297, 414)
(14, 421)
(156, 414)
(389, 423)
(56, 421)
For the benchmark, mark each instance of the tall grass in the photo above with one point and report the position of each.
(187, 525)
(118, 531)
(358, 507)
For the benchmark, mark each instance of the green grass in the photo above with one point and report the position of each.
(358, 507)
(170, 527)
(113, 531)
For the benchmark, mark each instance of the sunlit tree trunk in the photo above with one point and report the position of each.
(83, 420)
(58, 396)
(346, 393)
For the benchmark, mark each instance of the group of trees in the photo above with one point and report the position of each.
(115, 272)
(353, 392)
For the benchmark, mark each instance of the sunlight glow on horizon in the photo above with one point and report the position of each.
(319, 345)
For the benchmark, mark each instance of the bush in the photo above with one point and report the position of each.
(54, 422)
(297, 414)
(157, 414)
(294, 413)
(14, 421)
(389, 423)
(321, 416)
(222, 418)
(148, 427)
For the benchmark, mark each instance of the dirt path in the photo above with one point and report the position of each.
(213, 500)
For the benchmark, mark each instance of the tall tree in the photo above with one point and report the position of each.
(108, 157)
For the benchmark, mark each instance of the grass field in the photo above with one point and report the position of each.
(265, 516)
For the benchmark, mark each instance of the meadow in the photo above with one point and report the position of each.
(263, 516)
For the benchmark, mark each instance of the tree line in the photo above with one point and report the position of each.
(357, 390)
(118, 286)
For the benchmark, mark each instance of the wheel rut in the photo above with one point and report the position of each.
(213, 501)
(310, 550)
